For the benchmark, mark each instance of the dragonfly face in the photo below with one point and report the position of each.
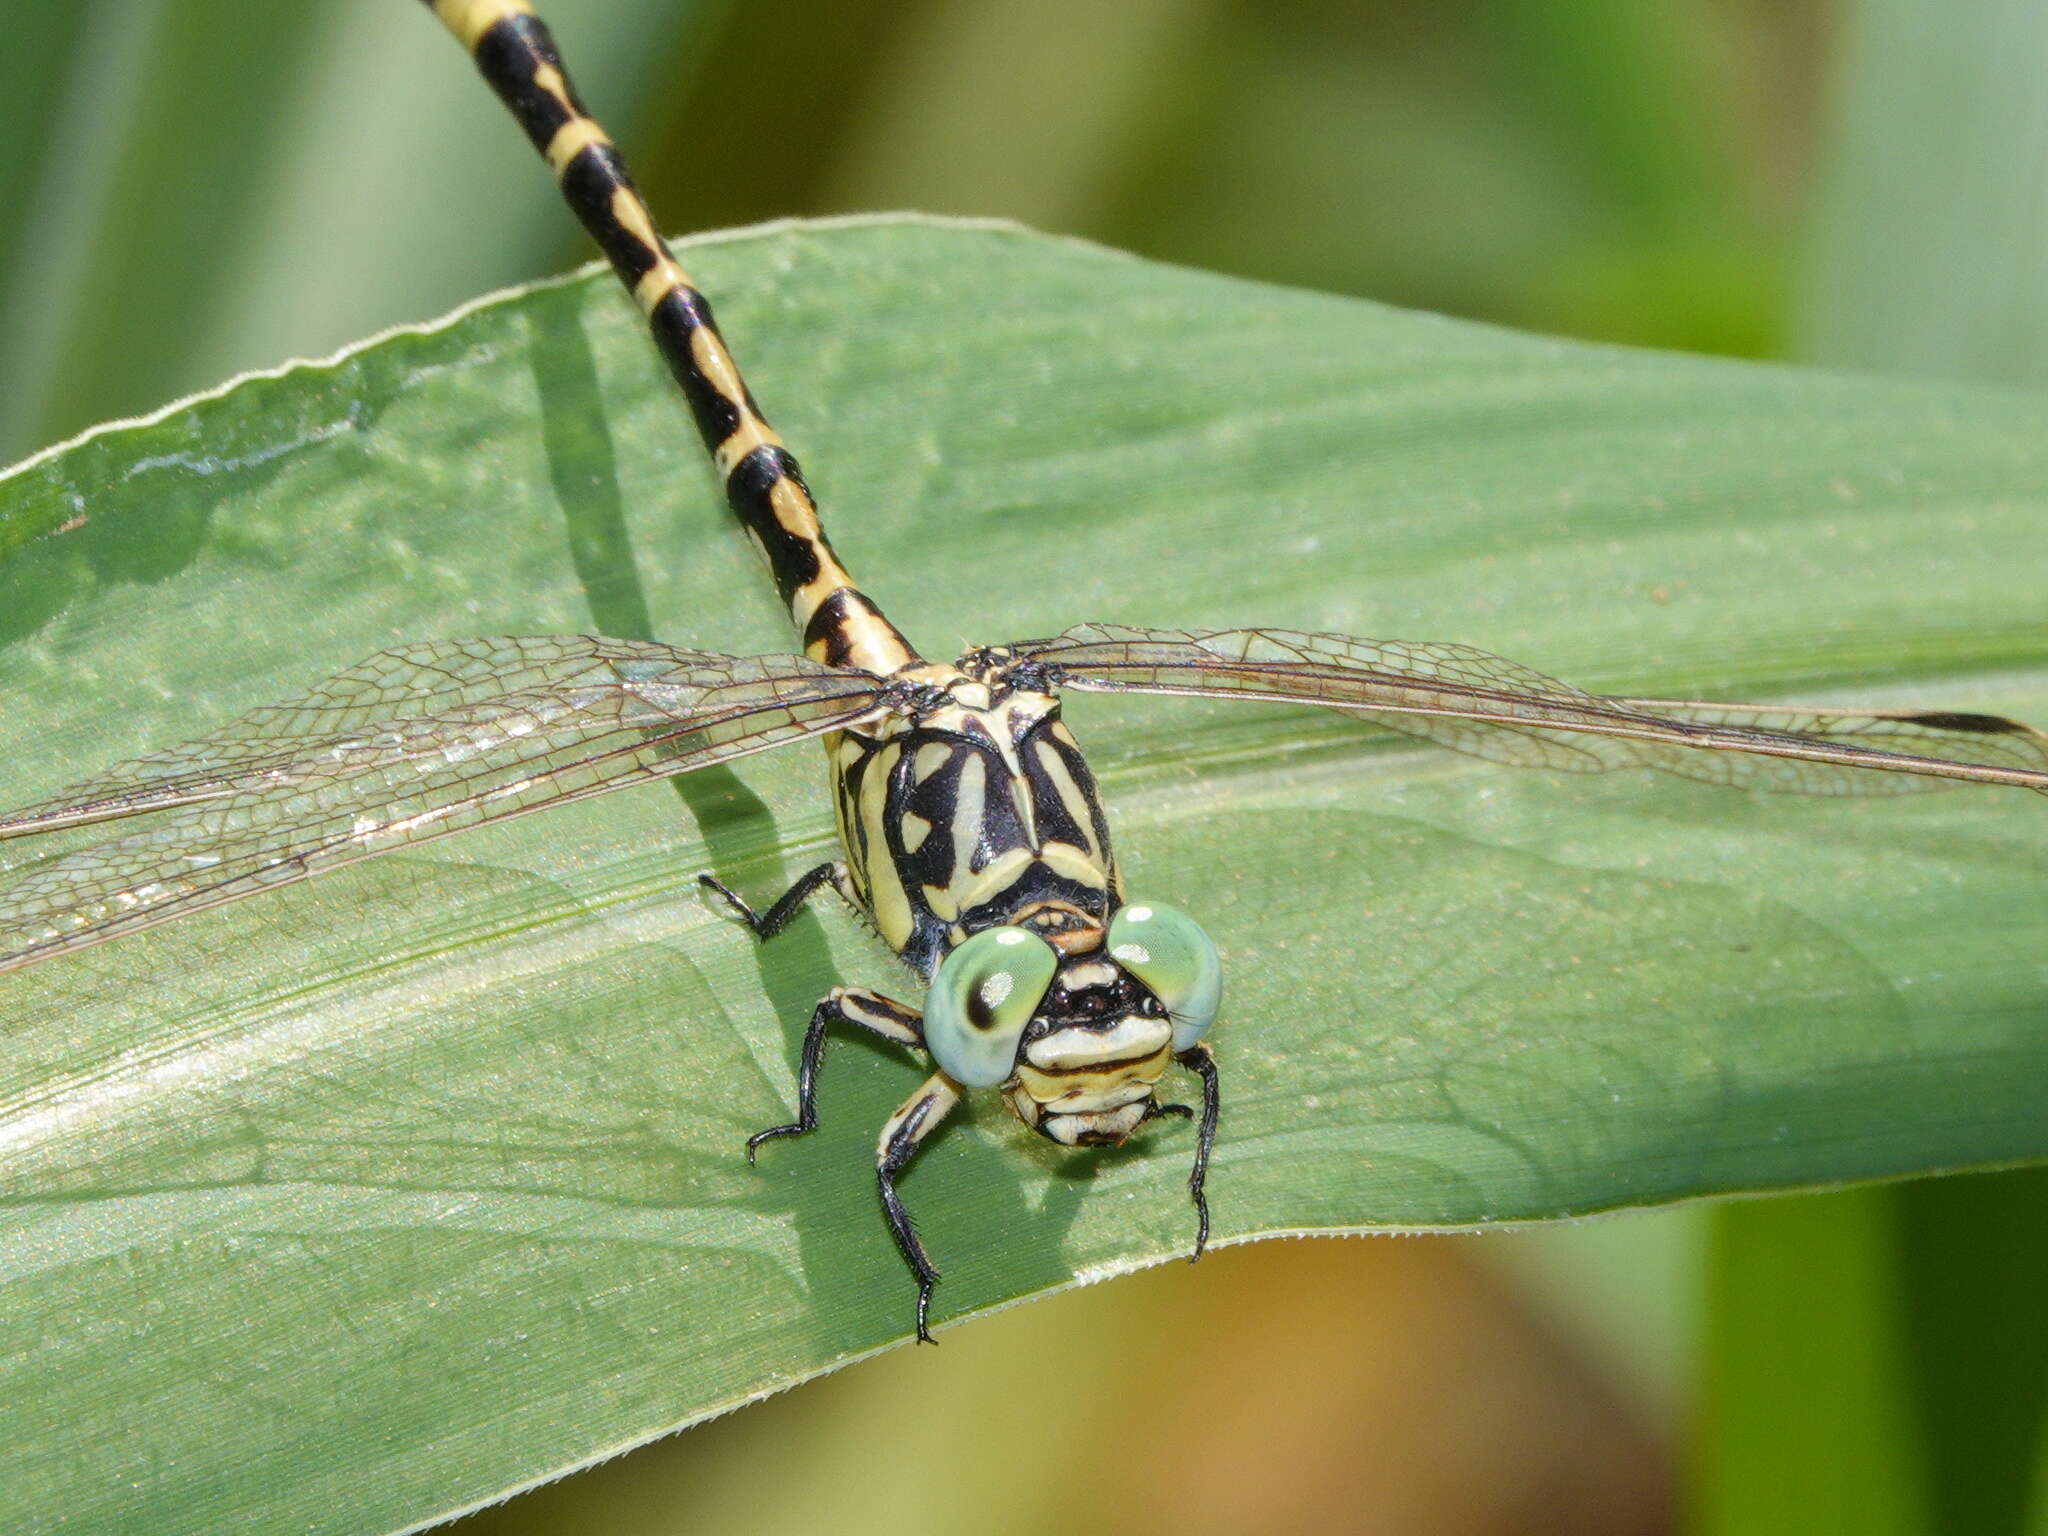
(1076, 1023)
(976, 843)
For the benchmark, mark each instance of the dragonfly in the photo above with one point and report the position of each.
(972, 835)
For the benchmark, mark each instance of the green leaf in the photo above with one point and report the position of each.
(362, 1202)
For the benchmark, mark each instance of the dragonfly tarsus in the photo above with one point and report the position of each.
(917, 1118)
(855, 1006)
(1201, 1061)
(767, 924)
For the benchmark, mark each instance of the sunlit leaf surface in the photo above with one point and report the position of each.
(352, 1205)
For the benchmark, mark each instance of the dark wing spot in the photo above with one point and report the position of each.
(1983, 725)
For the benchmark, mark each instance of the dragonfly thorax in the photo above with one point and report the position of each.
(970, 806)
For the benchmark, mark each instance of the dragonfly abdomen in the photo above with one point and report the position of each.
(764, 486)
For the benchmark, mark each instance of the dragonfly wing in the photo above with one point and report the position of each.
(410, 745)
(428, 681)
(1913, 749)
(1485, 705)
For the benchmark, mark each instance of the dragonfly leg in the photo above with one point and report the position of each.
(918, 1117)
(1200, 1060)
(858, 1006)
(767, 924)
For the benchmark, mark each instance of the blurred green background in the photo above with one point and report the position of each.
(196, 187)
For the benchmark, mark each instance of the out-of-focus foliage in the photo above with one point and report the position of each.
(1917, 1306)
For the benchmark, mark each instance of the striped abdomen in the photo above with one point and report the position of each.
(763, 485)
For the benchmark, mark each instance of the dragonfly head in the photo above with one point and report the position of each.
(1074, 1011)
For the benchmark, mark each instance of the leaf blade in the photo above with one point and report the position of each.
(1457, 995)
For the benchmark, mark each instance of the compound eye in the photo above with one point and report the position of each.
(1166, 949)
(982, 997)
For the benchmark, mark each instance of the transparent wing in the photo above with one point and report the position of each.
(1490, 707)
(412, 744)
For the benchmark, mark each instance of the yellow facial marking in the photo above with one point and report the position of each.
(469, 20)
(1135, 1041)
(1092, 1092)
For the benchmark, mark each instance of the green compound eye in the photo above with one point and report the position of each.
(983, 996)
(1166, 949)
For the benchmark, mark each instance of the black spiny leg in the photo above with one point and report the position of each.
(1201, 1061)
(767, 924)
(842, 1005)
(918, 1117)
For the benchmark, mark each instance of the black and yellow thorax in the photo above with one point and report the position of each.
(974, 808)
